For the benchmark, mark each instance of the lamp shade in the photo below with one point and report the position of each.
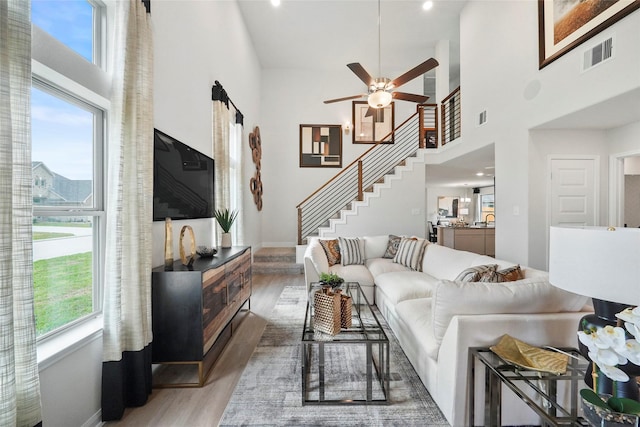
(599, 262)
(379, 99)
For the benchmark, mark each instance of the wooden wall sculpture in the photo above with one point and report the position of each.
(256, 153)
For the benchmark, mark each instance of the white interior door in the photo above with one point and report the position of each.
(574, 194)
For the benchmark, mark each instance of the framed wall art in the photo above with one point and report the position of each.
(565, 24)
(320, 146)
(370, 125)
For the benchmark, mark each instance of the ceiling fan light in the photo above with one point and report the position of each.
(379, 99)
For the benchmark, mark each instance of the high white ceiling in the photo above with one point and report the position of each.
(329, 34)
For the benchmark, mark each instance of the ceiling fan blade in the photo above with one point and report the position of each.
(414, 72)
(420, 99)
(362, 74)
(346, 98)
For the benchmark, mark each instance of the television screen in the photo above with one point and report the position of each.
(182, 180)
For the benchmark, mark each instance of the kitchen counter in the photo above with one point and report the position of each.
(478, 239)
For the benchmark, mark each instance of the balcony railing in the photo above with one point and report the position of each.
(451, 117)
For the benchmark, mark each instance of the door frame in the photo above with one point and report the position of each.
(616, 186)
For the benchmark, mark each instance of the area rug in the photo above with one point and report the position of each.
(269, 391)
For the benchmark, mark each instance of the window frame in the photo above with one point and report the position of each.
(52, 74)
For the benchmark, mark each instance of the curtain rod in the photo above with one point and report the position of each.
(219, 94)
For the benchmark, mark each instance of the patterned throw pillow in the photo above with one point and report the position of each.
(392, 246)
(474, 274)
(351, 251)
(332, 249)
(410, 253)
(510, 274)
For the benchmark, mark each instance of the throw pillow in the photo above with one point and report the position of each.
(351, 250)
(473, 274)
(510, 274)
(392, 246)
(332, 249)
(410, 253)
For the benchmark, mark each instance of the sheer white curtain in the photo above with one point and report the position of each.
(126, 372)
(19, 381)
(227, 152)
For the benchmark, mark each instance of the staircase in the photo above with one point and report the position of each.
(276, 261)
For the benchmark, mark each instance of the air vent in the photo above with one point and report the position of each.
(598, 54)
(482, 118)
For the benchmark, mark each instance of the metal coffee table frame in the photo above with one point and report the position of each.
(366, 330)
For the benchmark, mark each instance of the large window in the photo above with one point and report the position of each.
(68, 132)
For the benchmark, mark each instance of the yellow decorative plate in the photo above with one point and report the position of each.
(526, 356)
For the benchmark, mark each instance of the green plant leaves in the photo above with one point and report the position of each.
(593, 398)
(613, 404)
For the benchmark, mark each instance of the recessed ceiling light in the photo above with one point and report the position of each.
(275, 2)
(427, 5)
(480, 174)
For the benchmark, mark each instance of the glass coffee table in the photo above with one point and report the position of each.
(340, 369)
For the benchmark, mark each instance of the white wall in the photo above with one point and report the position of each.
(499, 74)
(195, 43)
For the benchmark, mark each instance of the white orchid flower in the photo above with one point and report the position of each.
(603, 338)
(631, 351)
(614, 373)
(634, 329)
(630, 315)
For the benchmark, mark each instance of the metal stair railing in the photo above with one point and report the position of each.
(350, 183)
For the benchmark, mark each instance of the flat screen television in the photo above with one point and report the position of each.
(182, 180)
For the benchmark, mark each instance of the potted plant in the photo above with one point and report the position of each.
(331, 279)
(225, 219)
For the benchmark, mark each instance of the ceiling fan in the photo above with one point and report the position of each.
(381, 90)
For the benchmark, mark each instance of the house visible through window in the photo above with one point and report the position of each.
(67, 152)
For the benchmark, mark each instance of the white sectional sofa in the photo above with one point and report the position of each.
(437, 319)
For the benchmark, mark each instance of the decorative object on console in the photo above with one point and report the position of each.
(609, 411)
(321, 146)
(602, 263)
(168, 244)
(206, 251)
(192, 253)
(225, 219)
(255, 184)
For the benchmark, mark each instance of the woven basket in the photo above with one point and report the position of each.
(345, 311)
(326, 307)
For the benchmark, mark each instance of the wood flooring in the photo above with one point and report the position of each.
(200, 407)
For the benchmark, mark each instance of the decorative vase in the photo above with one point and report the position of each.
(605, 314)
(226, 240)
(168, 244)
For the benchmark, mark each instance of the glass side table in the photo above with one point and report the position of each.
(539, 390)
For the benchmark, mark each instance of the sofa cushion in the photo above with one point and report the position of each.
(353, 273)
(375, 246)
(392, 246)
(402, 285)
(534, 295)
(446, 263)
(475, 273)
(410, 252)
(416, 314)
(378, 266)
(331, 250)
(351, 251)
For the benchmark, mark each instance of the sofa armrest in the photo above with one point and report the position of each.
(315, 262)
(465, 331)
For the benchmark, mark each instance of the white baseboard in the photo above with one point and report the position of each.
(95, 420)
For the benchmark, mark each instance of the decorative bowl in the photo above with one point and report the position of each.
(206, 251)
